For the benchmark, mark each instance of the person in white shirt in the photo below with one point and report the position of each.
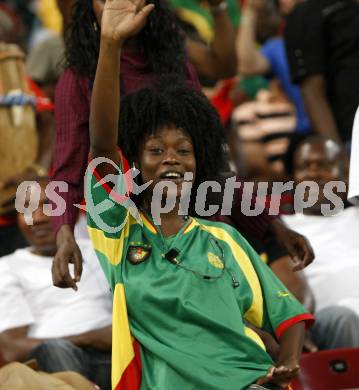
(333, 276)
(61, 328)
(353, 195)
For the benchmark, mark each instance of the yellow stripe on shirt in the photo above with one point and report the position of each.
(255, 313)
(112, 248)
(254, 336)
(122, 346)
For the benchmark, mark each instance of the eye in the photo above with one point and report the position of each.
(184, 151)
(155, 151)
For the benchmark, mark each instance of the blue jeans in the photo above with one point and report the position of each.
(335, 327)
(61, 355)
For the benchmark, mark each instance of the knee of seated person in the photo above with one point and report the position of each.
(14, 367)
(338, 316)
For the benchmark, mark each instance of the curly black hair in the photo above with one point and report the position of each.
(161, 40)
(174, 104)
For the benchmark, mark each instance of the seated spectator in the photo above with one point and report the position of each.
(333, 276)
(62, 329)
(183, 282)
(271, 59)
(28, 155)
(72, 120)
(335, 326)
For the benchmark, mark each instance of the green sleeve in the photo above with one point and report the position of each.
(107, 218)
(105, 206)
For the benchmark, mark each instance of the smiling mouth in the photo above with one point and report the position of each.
(172, 176)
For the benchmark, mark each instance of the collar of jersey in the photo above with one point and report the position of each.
(152, 228)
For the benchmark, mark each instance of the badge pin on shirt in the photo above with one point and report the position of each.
(137, 254)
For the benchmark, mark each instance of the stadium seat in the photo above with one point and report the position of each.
(329, 370)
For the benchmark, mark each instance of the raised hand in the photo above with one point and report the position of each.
(122, 19)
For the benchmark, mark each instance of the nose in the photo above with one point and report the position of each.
(39, 217)
(170, 158)
(313, 169)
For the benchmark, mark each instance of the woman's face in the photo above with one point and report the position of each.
(167, 156)
(97, 6)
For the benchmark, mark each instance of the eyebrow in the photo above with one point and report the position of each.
(181, 138)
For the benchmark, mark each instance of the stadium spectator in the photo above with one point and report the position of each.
(322, 47)
(335, 326)
(270, 59)
(210, 30)
(333, 276)
(61, 329)
(27, 113)
(173, 121)
(73, 110)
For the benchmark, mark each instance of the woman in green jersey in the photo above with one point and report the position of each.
(187, 292)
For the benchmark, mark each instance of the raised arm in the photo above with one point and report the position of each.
(219, 60)
(315, 96)
(121, 19)
(251, 60)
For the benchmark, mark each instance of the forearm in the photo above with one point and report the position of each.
(246, 42)
(18, 349)
(318, 107)
(100, 339)
(46, 126)
(223, 49)
(105, 102)
(73, 196)
(219, 60)
(291, 345)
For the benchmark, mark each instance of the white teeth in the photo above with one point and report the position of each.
(172, 175)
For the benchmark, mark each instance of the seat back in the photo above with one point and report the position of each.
(329, 370)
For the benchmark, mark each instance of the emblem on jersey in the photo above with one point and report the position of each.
(215, 261)
(137, 254)
(283, 294)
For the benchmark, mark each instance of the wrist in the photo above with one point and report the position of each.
(111, 43)
(249, 16)
(65, 233)
(287, 362)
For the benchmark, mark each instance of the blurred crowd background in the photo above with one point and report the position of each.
(284, 78)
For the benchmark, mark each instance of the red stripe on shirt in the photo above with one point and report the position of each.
(307, 317)
(131, 378)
